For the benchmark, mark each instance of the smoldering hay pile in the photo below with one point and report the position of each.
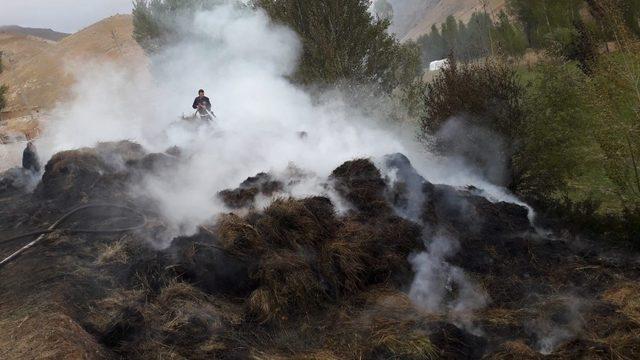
(345, 243)
(409, 269)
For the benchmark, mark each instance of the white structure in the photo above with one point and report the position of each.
(438, 65)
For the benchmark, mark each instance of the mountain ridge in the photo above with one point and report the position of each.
(43, 33)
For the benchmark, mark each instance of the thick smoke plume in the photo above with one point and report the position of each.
(243, 61)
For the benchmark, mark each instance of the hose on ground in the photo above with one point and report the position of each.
(56, 226)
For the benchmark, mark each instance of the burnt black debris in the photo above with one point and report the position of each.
(298, 279)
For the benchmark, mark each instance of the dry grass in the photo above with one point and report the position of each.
(384, 324)
(239, 237)
(114, 253)
(627, 297)
(360, 182)
(46, 334)
(305, 258)
(180, 322)
(289, 286)
(515, 350)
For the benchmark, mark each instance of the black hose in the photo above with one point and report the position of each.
(41, 234)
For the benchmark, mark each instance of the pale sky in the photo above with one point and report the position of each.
(60, 15)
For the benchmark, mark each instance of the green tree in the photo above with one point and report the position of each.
(450, 34)
(555, 138)
(616, 97)
(342, 41)
(628, 13)
(432, 46)
(542, 17)
(479, 36)
(509, 38)
(576, 44)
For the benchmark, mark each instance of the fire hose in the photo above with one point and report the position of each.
(42, 234)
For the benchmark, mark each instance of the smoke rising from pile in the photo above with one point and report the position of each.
(440, 287)
(243, 62)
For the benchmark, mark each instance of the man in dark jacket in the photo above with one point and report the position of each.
(202, 101)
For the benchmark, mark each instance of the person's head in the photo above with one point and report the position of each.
(200, 92)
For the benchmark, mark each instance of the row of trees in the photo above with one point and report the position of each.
(540, 24)
(480, 37)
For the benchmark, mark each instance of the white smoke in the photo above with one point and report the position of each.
(442, 288)
(558, 321)
(243, 61)
(243, 65)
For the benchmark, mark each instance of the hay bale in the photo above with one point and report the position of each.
(394, 340)
(406, 191)
(290, 223)
(46, 334)
(238, 236)
(360, 182)
(120, 152)
(345, 263)
(468, 214)
(245, 195)
(289, 286)
(71, 174)
(383, 324)
(387, 244)
(180, 318)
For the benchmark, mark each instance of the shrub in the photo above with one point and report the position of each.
(575, 44)
(485, 96)
(555, 139)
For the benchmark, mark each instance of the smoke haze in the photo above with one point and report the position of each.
(243, 60)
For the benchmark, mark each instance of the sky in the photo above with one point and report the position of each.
(60, 15)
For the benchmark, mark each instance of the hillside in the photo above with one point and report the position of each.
(412, 21)
(36, 70)
(46, 34)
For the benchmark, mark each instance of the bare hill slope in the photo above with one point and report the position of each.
(414, 20)
(46, 34)
(36, 72)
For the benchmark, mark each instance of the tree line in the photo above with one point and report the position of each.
(525, 24)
